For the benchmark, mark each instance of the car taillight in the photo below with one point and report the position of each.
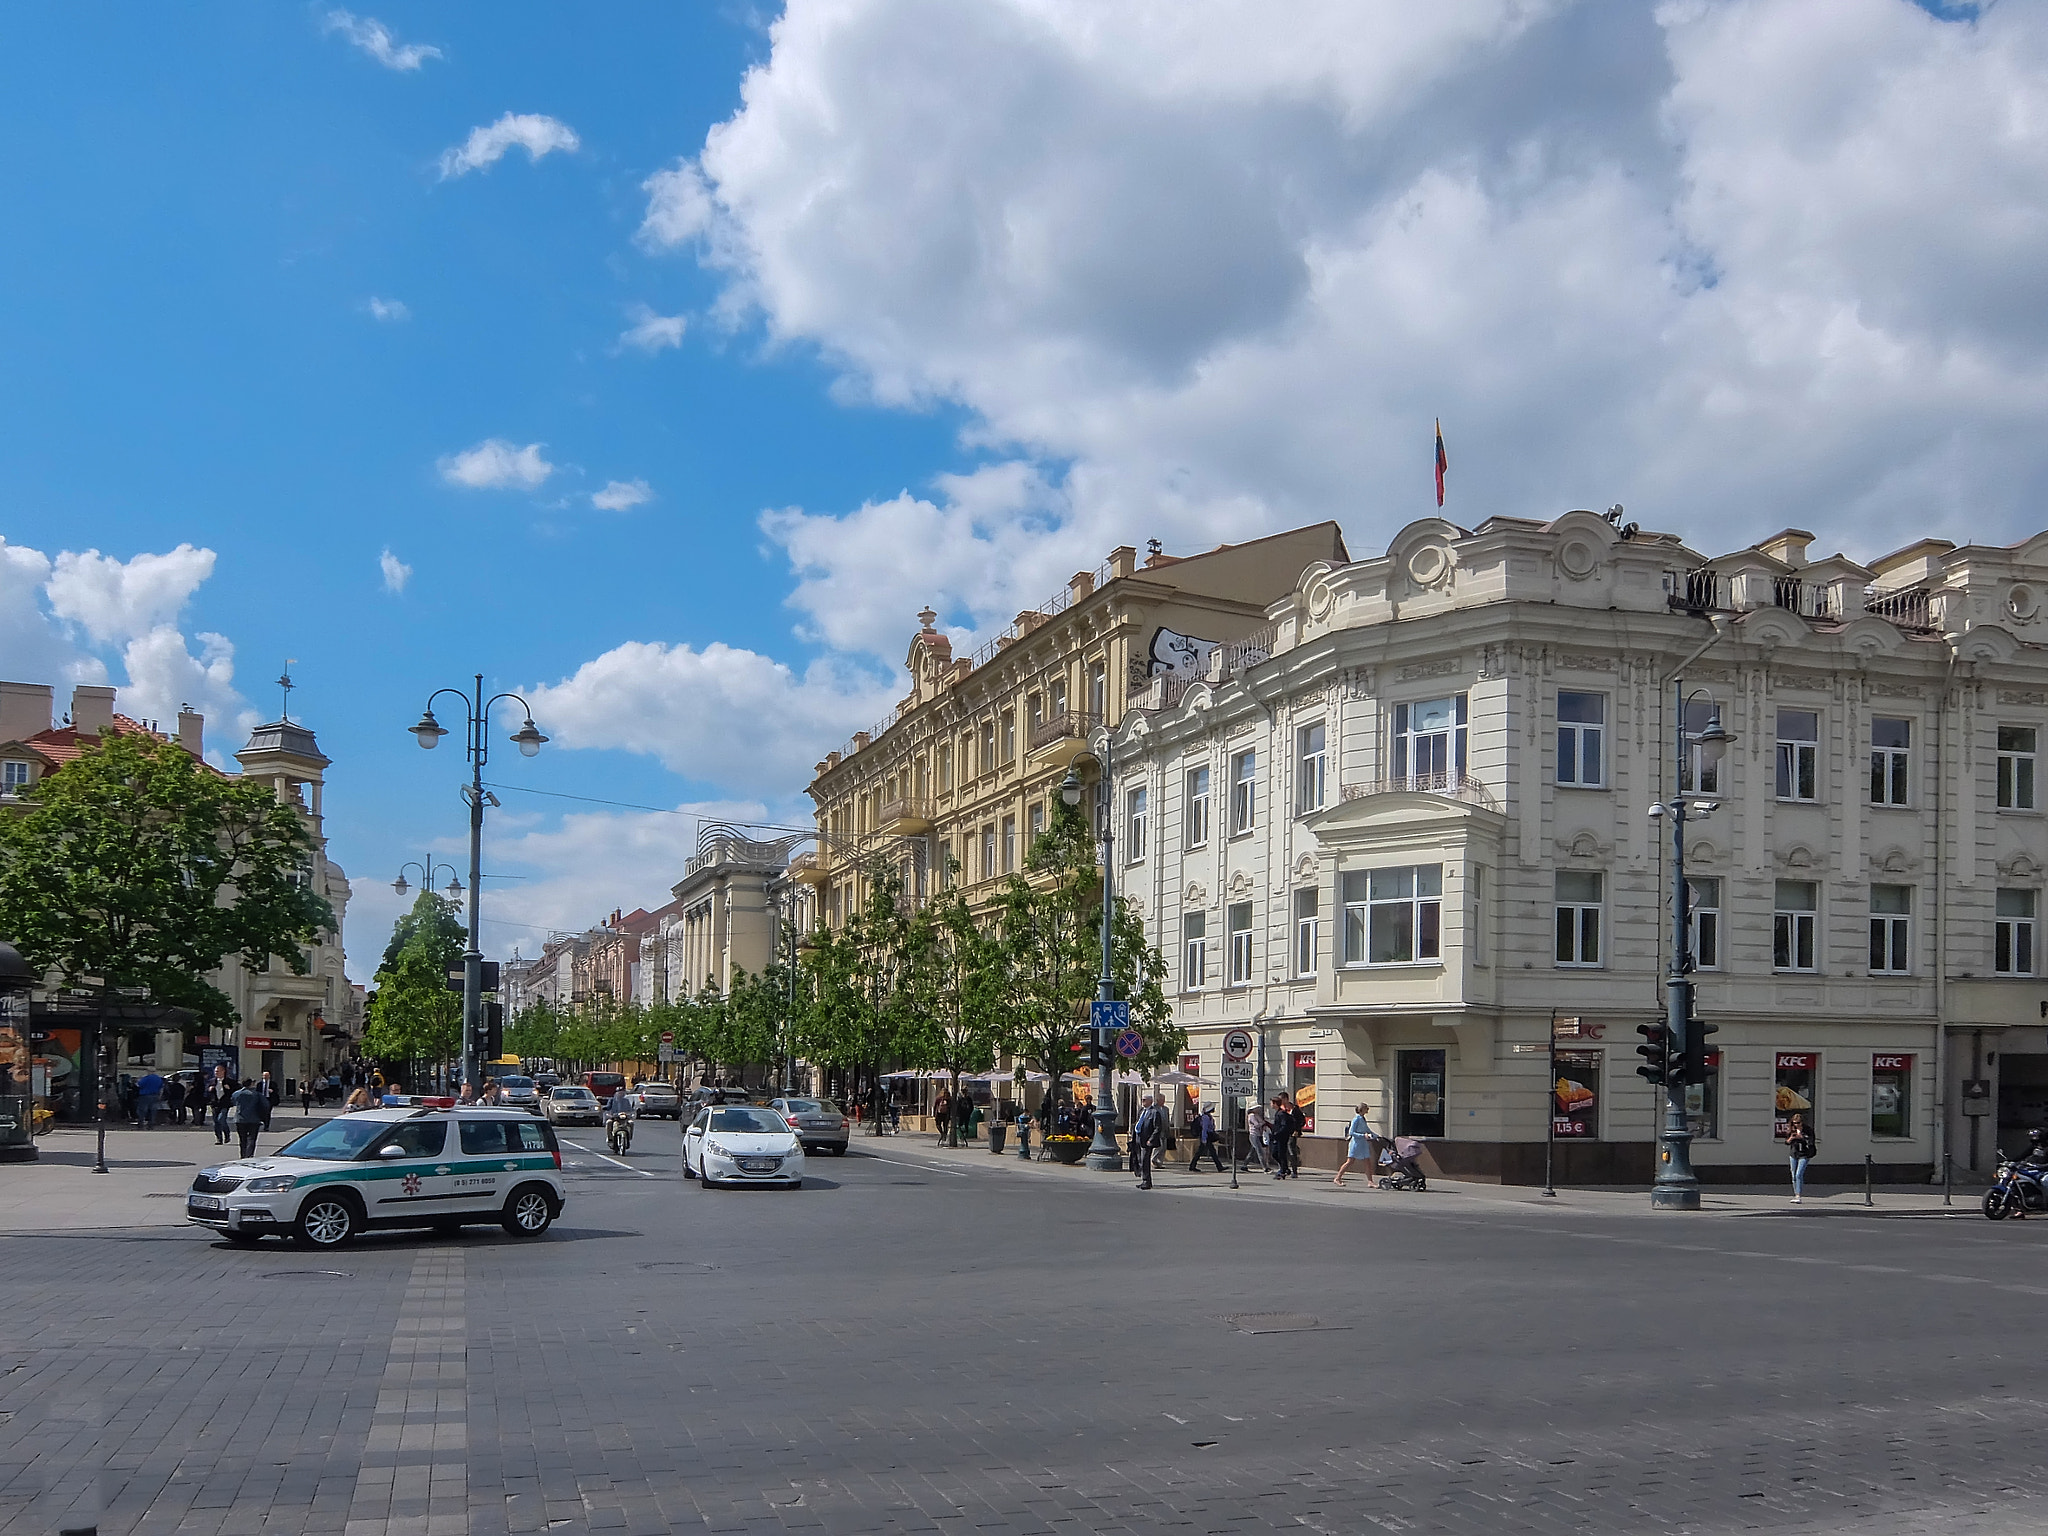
(558, 1157)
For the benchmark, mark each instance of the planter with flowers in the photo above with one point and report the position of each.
(1067, 1149)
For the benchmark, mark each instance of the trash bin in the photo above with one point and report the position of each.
(996, 1132)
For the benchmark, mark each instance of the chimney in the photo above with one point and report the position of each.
(1079, 585)
(1788, 546)
(191, 731)
(1123, 561)
(92, 708)
(25, 708)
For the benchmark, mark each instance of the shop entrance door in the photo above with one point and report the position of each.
(1419, 1110)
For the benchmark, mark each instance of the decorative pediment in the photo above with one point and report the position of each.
(1770, 627)
(1196, 895)
(1584, 846)
(1425, 552)
(1318, 591)
(1987, 642)
(2021, 866)
(1703, 854)
(1305, 869)
(1241, 885)
(1894, 861)
(1798, 856)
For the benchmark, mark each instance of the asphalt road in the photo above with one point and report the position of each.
(915, 1343)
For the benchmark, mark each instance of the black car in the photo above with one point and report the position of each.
(702, 1094)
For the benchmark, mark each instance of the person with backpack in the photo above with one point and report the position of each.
(1205, 1140)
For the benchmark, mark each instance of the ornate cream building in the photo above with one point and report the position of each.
(1415, 828)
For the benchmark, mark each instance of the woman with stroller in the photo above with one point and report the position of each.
(1359, 1142)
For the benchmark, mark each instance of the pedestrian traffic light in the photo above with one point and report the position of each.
(1692, 1062)
(1087, 1049)
(1656, 1053)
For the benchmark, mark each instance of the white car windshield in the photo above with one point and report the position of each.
(741, 1120)
(337, 1141)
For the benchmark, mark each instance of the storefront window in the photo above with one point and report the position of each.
(1891, 1096)
(1301, 1082)
(1575, 1097)
(1421, 1105)
(1703, 1102)
(1797, 1073)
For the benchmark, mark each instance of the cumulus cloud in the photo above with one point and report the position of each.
(1194, 276)
(621, 495)
(375, 39)
(495, 465)
(396, 572)
(388, 310)
(538, 135)
(721, 716)
(114, 600)
(651, 332)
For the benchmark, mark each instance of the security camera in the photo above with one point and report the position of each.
(1656, 813)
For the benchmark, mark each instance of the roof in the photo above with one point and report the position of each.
(62, 744)
(288, 737)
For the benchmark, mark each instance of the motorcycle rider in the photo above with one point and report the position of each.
(619, 1107)
(2034, 1161)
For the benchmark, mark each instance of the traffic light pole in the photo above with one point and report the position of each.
(1103, 1154)
(1676, 1187)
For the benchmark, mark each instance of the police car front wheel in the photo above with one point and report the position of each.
(326, 1221)
(529, 1212)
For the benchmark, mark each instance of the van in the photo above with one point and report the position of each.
(604, 1084)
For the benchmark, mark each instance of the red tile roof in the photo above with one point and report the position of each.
(61, 744)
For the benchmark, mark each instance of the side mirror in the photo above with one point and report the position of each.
(394, 1150)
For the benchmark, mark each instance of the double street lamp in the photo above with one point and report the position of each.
(1676, 1187)
(429, 872)
(528, 739)
(1103, 1155)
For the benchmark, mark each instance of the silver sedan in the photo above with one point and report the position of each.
(817, 1123)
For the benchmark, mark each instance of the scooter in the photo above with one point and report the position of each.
(618, 1131)
(2017, 1191)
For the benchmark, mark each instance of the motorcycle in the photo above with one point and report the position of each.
(618, 1131)
(2017, 1191)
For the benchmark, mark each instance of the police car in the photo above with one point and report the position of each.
(428, 1164)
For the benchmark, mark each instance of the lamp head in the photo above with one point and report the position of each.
(429, 731)
(1070, 787)
(1714, 740)
(400, 886)
(528, 738)
(454, 889)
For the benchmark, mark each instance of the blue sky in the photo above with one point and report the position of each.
(934, 303)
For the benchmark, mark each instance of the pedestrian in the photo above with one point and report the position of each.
(1145, 1137)
(306, 1096)
(1258, 1135)
(268, 1090)
(1205, 1140)
(895, 1116)
(964, 1116)
(1800, 1148)
(248, 1106)
(222, 1096)
(942, 1113)
(149, 1098)
(1278, 1123)
(174, 1101)
(1358, 1140)
(357, 1100)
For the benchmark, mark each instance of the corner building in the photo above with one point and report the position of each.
(1415, 830)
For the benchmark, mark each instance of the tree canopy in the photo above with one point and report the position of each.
(414, 1017)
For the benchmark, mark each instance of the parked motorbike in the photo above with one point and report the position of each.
(619, 1132)
(2017, 1191)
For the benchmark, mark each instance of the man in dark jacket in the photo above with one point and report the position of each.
(248, 1113)
(1146, 1136)
(1287, 1123)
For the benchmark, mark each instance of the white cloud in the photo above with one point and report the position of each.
(114, 600)
(396, 572)
(720, 716)
(651, 332)
(621, 495)
(495, 465)
(538, 135)
(388, 310)
(375, 39)
(164, 676)
(1194, 276)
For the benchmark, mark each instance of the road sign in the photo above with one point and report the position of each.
(1116, 1015)
(1129, 1043)
(665, 1052)
(1240, 1080)
(668, 1037)
(1237, 1045)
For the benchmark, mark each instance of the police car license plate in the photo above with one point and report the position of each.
(206, 1203)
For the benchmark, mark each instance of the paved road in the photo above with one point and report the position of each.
(923, 1343)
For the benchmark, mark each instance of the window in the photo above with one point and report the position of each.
(1578, 896)
(1429, 742)
(14, 777)
(1703, 1102)
(417, 1138)
(1034, 712)
(1059, 697)
(1009, 736)
(1244, 802)
(1798, 904)
(1797, 1093)
(1198, 807)
(1312, 762)
(1194, 971)
(1890, 749)
(1891, 916)
(988, 746)
(1798, 754)
(1581, 729)
(1037, 822)
(1009, 845)
(946, 866)
(1134, 826)
(1703, 920)
(503, 1136)
(1393, 916)
(1237, 918)
(1891, 1096)
(1098, 691)
(2012, 941)
(945, 767)
(1307, 930)
(1696, 777)
(988, 852)
(2015, 767)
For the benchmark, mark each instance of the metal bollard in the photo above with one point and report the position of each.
(1948, 1163)
(1869, 1167)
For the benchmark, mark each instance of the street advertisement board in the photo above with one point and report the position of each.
(1575, 1096)
(1891, 1095)
(1796, 1075)
(1301, 1072)
(1703, 1101)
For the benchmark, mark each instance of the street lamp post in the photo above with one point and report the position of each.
(1103, 1155)
(528, 739)
(429, 872)
(1676, 1187)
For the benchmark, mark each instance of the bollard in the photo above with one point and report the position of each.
(1948, 1163)
(1869, 1164)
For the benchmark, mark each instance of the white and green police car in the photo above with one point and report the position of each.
(426, 1165)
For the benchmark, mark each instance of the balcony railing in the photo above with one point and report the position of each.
(1452, 786)
(1909, 607)
(1067, 725)
(905, 813)
(1250, 651)
(1804, 598)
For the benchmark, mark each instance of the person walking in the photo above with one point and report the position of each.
(1358, 1140)
(357, 1100)
(1800, 1149)
(1280, 1134)
(1024, 1133)
(268, 1090)
(174, 1101)
(1145, 1137)
(942, 1114)
(1205, 1140)
(1258, 1134)
(305, 1095)
(222, 1097)
(248, 1107)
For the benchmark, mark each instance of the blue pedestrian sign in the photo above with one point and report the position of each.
(1109, 1015)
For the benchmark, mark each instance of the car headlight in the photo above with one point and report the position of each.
(716, 1149)
(270, 1184)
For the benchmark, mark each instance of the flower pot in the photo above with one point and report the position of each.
(1068, 1152)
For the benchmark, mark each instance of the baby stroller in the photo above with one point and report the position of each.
(1399, 1169)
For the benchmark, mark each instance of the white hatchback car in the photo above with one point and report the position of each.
(430, 1165)
(741, 1144)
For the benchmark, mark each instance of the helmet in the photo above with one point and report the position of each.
(2035, 1135)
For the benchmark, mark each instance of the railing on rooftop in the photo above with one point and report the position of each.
(1908, 607)
(1803, 598)
(1250, 651)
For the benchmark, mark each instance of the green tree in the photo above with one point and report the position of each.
(860, 1006)
(415, 1017)
(138, 864)
(953, 994)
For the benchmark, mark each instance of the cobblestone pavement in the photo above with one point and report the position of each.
(923, 1343)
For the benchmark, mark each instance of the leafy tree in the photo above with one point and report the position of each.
(860, 1008)
(953, 993)
(138, 864)
(415, 1017)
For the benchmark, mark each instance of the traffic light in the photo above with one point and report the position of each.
(494, 1031)
(1087, 1049)
(1656, 1053)
(1692, 1064)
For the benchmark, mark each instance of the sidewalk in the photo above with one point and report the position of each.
(1889, 1201)
(148, 1173)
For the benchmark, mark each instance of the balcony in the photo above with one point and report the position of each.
(904, 817)
(1058, 741)
(1451, 786)
(805, 870)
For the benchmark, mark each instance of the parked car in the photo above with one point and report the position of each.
(741, 1144)
(658, 1100)
(519, 1093)
(572, 1104)
(704, 1094)
(817, 1123)
(546, 1080)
